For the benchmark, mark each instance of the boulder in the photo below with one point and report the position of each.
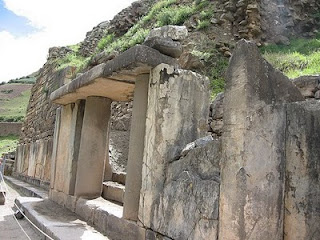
(165, 45)
(171, 31)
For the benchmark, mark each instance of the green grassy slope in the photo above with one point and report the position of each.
(14, 99)
(8, 144)
(301, 57)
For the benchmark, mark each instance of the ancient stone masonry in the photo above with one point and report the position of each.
(309, 86)
(35, 144)
(270, 21)
(118, 26)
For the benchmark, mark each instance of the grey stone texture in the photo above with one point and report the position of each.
(172, 94)
(165, 45)
(302, 195)
(170, 31)
(93, 165)
(188, 207)
(114, 79)
(216, 116)
(136, 148)
(308, 85)
(252, 170)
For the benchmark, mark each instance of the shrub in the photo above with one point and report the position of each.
(105, 41)
(203, 24)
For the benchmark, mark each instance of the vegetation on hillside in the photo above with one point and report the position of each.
(162, 13)
(14, 109)
(301, 57)
(8, 144)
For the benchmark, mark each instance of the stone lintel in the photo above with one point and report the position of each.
(114, 79)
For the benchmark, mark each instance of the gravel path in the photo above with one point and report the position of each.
(9, 228)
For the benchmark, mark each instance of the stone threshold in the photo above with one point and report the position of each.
(75, 220)
(27, 189)
(34, 181)
(56, 221)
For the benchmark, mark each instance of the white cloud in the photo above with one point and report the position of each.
(61, 22)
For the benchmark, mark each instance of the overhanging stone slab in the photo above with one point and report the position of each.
(114, 79)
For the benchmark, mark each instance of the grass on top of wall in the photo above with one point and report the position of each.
(301, 57)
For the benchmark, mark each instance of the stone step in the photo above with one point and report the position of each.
(119, 177)
(113, 191)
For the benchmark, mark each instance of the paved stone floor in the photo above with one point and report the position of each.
(9, 228)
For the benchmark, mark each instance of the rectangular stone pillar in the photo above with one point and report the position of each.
(302, 198)
(136, 148)
(93, 148)
(178, 109)
(253, 147)
(66, 147)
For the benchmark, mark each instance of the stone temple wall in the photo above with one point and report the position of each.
(36, 138)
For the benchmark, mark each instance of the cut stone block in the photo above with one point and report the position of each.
(178, 108)
(169, 31)
(93, 157)
(113, 191)
(119, 177)
(253, 147)
(302, 198)
(114, 79)
(165, 45)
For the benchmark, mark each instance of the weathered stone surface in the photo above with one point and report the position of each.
(216, 107)
(191, 195)
(216, 116)
(136, 148)
(302, 198)
(197, 143)
(308, 85)
(172, 94)
(93, 163)
(170, 31)
(252, 170)
(118, 150)
(165, 45)
(66, 147)
(114, 79)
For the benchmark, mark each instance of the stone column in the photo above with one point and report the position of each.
(93, 148)
(136, 148)
(178, 109)
(66, 144)
(302, 198)
(253, 147)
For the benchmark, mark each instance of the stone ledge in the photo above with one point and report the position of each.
(27, 188)
(56, 221)
(114, 79)
(104, 215)
(34, 181)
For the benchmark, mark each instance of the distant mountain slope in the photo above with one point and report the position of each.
(14, 100)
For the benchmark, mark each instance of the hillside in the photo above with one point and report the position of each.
(214, 27)
(14, 100)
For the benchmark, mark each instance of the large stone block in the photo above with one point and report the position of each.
(253, 147)
(302, 198)
(188, 207)
(93, 148)
(178, 104)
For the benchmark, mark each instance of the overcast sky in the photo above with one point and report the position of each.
(29, 27)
